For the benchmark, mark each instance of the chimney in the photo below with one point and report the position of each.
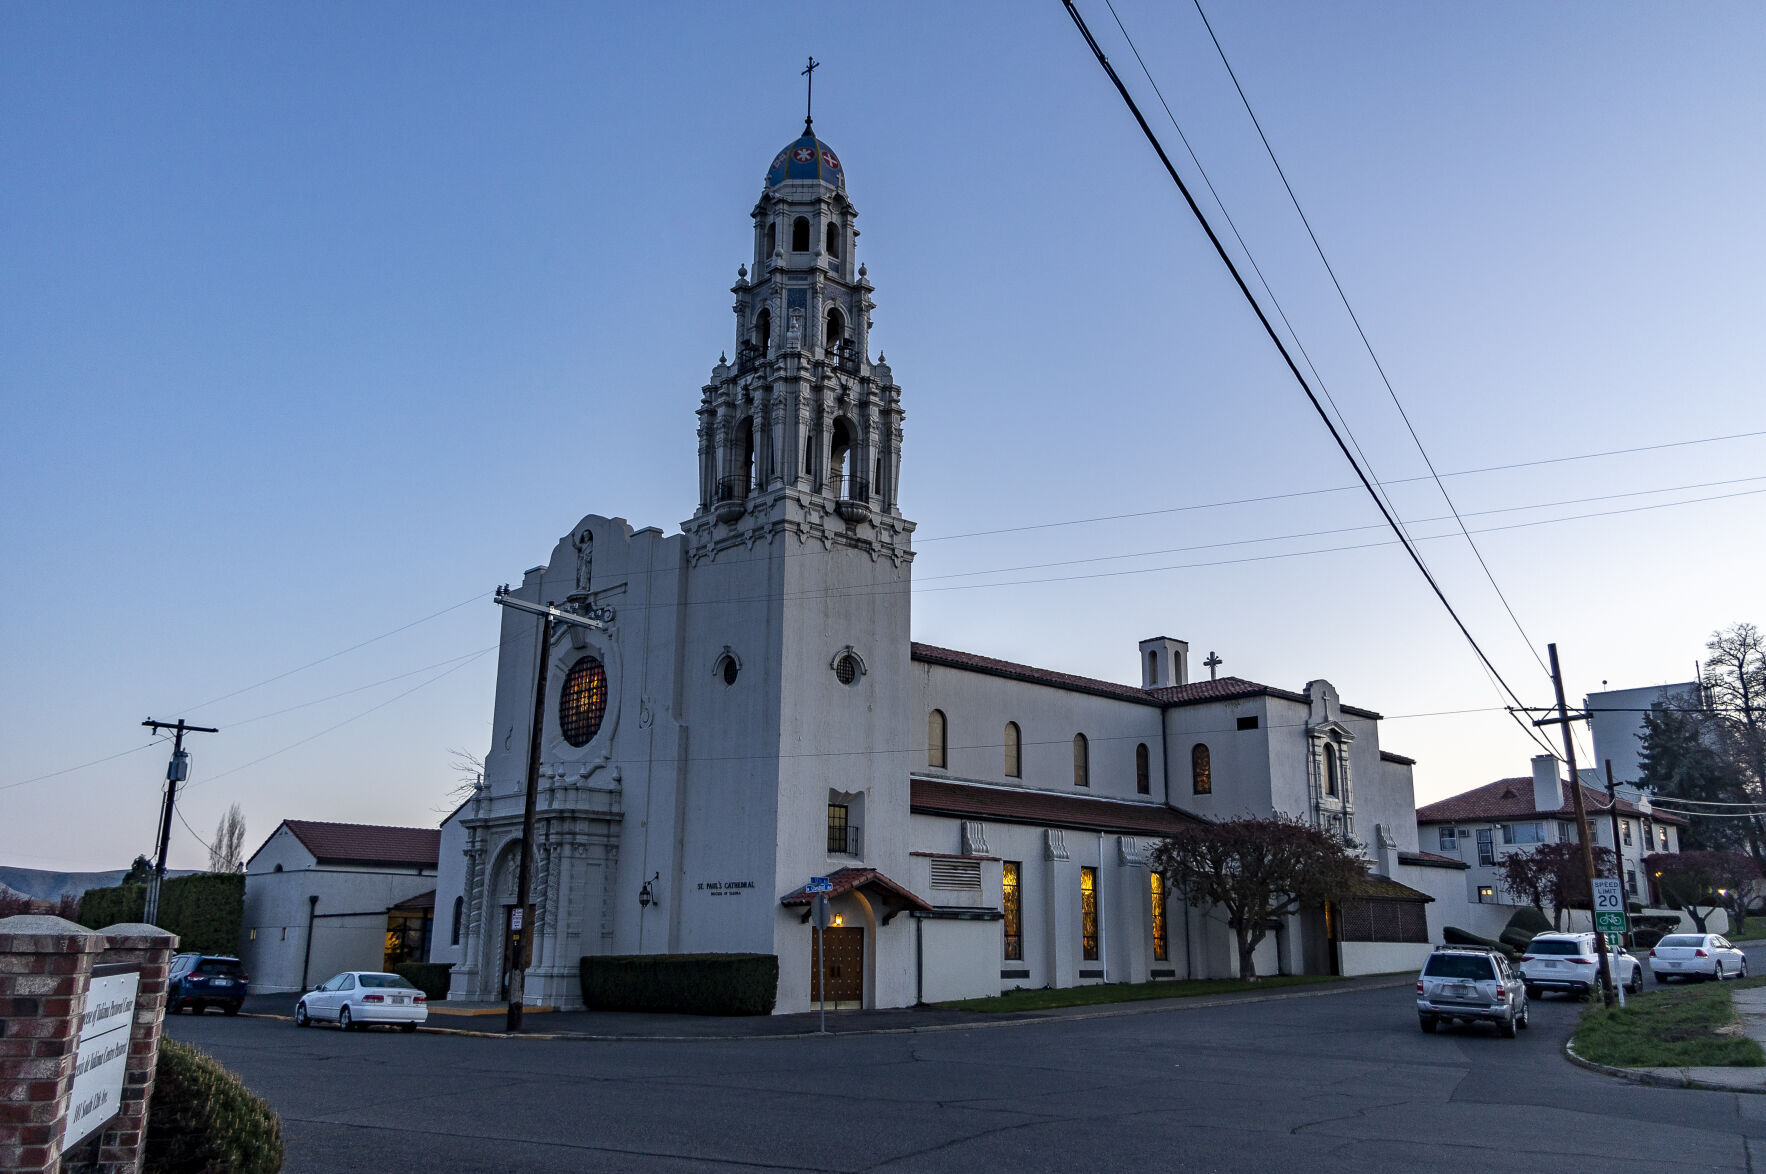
(1548, 793)
(1164, 661)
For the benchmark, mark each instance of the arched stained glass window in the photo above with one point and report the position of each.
(1081, 761)
(1014, 743)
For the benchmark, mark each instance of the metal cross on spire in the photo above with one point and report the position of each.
(809, 71)
(1213, 662)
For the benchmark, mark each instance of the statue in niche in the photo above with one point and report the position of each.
(585, 558)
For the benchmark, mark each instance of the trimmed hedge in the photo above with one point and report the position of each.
(1452, 935)
(687, 984)
(429, 977)
(203, 1120)
(206, 910)
(1521, 929)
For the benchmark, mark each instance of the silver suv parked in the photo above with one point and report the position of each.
(1470, 983)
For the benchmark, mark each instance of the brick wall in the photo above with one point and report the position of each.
(45, 965)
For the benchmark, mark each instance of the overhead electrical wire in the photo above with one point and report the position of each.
(1312, 398)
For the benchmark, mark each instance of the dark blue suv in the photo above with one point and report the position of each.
(201, 981)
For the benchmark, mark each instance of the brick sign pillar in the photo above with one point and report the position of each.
(118, 1146)
(45, 966)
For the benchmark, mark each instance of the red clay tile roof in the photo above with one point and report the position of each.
(847, 879)
(1431, 860)
(1513, 798)
(1376, 886)
(1022, 805)
(367, 843)
(1194, 693)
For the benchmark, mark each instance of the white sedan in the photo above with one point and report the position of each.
(357, 998)
(1696, 955)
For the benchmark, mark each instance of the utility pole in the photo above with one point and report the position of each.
(549, 617)
(1618, 844)
(176, 772)
(1564, 718)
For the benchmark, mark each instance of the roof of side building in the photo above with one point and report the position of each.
(1513, 798)
(365, 843)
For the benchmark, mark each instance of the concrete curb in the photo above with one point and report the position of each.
(1654, 1079)
(1056, 1015)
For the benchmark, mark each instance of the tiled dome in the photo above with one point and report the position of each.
(807, 158)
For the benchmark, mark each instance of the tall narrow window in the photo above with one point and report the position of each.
(840, 466)
(800, 235)
(836, 332)
(1625, 831)
(833, 240)
(1153, 668)
(1143, 770)
(936, 743)
(1081, 761)
(839, 829)
(459, 916)
(763, 330)
(1201, 770)
(1009, 901)
(1161, 950)
(772, 238)
(1013, 741)
(1088, 913)
(1330, 770)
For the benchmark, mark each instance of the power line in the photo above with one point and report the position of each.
(1306, 388)
(54, 774)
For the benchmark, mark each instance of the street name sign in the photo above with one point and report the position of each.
(103, 1054)
(819, 884)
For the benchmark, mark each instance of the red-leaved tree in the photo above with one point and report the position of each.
(1256, 870)
(1695, 880)
(1552, 876)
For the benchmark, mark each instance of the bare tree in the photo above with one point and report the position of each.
(226, 853)
(468, 768)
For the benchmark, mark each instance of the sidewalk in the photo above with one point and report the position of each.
(1750, 1005)
(485, 1019)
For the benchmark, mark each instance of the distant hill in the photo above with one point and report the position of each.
(51, 886)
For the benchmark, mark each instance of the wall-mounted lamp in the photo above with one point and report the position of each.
(839, 919)
(647, 895)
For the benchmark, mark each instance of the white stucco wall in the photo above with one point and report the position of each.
(960, 959)
(1382, 957)
(276, 921)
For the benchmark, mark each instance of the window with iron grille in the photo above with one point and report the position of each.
(582, 702)
(1383, 919)
(1009, 901)
(1088, 913)
(838, 829)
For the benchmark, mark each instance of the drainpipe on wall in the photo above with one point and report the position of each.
(307, 957)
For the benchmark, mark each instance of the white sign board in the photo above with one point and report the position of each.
(1609, 895)
(103, 1054)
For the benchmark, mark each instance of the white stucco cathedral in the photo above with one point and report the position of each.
(755, 713)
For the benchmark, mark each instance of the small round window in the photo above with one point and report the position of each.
(846, 669)
(582, 703)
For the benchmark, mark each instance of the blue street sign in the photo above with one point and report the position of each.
(819, 884)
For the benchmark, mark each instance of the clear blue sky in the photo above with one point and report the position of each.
(317, 320)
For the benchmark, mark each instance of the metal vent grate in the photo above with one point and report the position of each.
(957, 874)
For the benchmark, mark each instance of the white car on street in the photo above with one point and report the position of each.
(1696, 955)
(1567, 962)
(357, 998)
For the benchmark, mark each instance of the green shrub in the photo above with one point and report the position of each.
(689, 984)
(1644, 939)
(203, 1120)
(429, 977)
(1454, 936)
(1521, 929)
(206, 909)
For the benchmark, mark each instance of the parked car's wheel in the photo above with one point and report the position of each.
(1507, 1026)
(1525, 1014)
(231, 1008)
(1719, 975)
(1532, 992)
(1635, 986)
(407, 1028)
(344, 1021)
(1428, 1022)
(301, 1018)
(1744, 969)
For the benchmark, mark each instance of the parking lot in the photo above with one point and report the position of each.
(1337, 1081)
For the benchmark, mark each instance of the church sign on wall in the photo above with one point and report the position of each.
(103, 1054)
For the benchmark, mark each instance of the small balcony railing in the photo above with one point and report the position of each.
(844, 841)
(748, 357)
(732, 489)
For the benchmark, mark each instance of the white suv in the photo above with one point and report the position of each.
(1568, 962)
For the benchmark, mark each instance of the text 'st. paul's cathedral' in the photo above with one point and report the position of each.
(753, 713)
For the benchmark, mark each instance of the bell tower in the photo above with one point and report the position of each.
(803, 429)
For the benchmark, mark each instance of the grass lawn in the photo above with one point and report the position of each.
(1127, 992)
(1671, 1027)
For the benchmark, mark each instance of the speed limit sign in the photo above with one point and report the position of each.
(1609, 905)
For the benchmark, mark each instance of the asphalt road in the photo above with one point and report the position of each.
(1338, 1082)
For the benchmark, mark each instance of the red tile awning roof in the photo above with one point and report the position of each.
(1170, 697)
(1513, 799)
(892, 896)
(1046, 809)
(1431, 860)
(367, 843)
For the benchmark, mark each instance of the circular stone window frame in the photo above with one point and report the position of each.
(595, 721)
(860, 669)
(727, 666)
